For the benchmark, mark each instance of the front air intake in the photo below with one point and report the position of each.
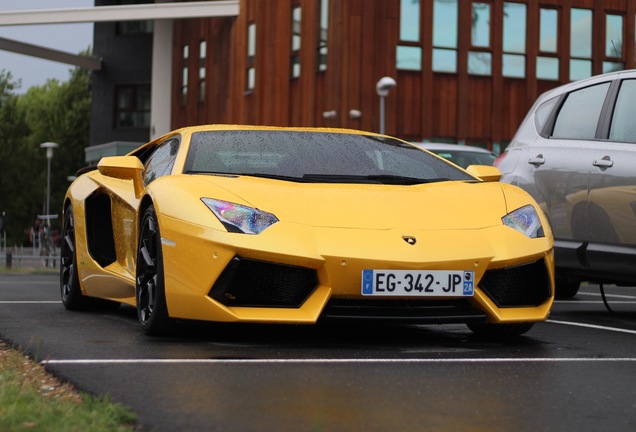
(252, 283)
(523, 285)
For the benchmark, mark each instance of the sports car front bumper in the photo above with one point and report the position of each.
(292, 273)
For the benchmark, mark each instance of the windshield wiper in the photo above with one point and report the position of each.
(332, 178)
(374, 178)
(237, 174)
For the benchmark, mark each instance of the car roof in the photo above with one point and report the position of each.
(564, 88)
(450, 147)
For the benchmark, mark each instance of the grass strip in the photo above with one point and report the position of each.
(33, 400)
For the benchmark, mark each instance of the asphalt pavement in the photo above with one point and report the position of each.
(577, 371)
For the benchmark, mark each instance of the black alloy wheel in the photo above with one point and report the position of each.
(72, 297)
(151, 299)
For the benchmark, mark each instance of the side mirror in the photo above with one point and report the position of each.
(123, 168)
(485, 172)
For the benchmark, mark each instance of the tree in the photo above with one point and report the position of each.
(16, 162)
(57, 112)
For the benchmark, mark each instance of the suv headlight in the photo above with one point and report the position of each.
(525, 220)
(239, 218)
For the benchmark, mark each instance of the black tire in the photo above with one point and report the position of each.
(500, 331)
(565, 288)
(72, 297)
(152, 309)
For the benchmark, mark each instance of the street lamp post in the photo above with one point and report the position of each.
(382, 87)
(49, 146)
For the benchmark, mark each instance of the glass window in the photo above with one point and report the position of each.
(543, 112)
(548, 62)
(548, 27)
(580, 69)
(409, 58)
(132, 106)
(548, 68)
(445, 36)
(514, 40)
(579, 114)
(445, 23)
(161, 161)
(409, 21)
(623, 127)
(514, 66)
(444, 60)
(322, 36)
(184, 74)
(613, 43)
(614, 36)
(581, 33)
(202, 69)
(514, 28)
(580, 44)
(295, 42)
(479, 63)
(480, 36)
(251, 55)
(609, 66)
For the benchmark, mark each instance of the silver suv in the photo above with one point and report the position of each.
(575, 153)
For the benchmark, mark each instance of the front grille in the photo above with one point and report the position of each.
(523, 285)
(246, 282)
(404, 311)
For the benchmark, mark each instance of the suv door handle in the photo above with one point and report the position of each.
(537, 160)
(606, 162)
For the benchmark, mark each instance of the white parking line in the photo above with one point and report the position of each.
(338, 360)
(594, 326)
(30, 302)
(607, 295)
(578, 302)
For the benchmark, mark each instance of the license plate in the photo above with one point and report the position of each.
(427, 283)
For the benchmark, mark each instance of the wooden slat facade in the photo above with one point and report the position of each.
(363, 37)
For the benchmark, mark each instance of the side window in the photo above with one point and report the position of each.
(161, 161)
(579, 114)
(623, 127)
(543, 112)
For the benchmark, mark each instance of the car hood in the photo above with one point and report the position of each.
(441, 205)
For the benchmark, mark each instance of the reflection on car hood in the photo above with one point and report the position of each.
(447, 205)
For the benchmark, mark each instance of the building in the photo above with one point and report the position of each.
(120, 112)
(467, 71)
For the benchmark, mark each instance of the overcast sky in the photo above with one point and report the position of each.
(71, 38)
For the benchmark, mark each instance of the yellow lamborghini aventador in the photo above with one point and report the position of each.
(296, 225)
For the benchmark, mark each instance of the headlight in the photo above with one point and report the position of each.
(526, 221)
(239, 218)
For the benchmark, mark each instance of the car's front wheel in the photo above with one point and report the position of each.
(152, 309)
(500, 331)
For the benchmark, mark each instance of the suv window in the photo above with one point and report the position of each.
(543, 113)
(579, 114)
(623, 127)
(161, 161)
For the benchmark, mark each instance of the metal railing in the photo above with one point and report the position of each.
(27, 258)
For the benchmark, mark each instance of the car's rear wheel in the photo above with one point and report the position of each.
(72, 297)
(500, 331)
(152, 309)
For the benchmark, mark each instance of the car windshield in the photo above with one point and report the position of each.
(324, 157)
(467, 158)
